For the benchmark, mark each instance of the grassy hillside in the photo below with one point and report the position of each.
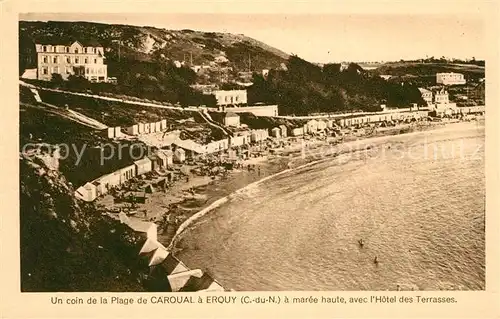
(122, 114)
(149, 44)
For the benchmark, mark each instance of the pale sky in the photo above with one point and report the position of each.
(324, 37)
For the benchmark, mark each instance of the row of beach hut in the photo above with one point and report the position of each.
(136, 129)
(101, 186)
(193, 149)
(146, 128)
(164, 158)
(313, 126)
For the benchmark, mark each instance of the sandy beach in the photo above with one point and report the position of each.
(188, 195)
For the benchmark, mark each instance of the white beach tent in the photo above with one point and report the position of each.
(159, 256)
(179, 280)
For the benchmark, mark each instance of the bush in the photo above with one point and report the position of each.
(78, 83)
(57, 79)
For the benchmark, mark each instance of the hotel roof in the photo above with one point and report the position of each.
(66, 41)
(422, 90)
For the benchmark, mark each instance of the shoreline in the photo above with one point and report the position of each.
(188, 198)
(383, 137)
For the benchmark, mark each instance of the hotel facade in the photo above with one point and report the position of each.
(230, 97)
(76, 58)
(450, 78)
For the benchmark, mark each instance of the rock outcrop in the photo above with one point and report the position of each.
(67, 245)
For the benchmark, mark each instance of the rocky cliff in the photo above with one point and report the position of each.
(68, 245)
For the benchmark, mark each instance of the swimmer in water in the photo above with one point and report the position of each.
(361, 243)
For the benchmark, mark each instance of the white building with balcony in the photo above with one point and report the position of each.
(441, 97)
(84, 59)
(230, 97)
(426, 95)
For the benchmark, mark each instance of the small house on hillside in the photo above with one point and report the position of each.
(230, 97)
(297, 131)
(441, 97)
(132, 130)
(321, 125)
(110, 132)
(191, 148)
(143, 166)
(426, 95)
(127, 173)
(140, 128)
(240, 140)
(168, 157)
(179, 155)
(104, 183)
(259, 135)
(87, 192)
(118, 131)
(312, 126)
(156, 162)
(227, 118)
(276, 132)
(161, 160)
(283, 130)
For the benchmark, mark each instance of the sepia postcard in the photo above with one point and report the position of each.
(228, 159)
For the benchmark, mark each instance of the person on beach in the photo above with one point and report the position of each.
(259, 171)
(361, 243)
(375, 260)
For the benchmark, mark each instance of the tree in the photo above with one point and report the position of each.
(57, 79)
(78, 83)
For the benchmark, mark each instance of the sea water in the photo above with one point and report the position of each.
(417, 201)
